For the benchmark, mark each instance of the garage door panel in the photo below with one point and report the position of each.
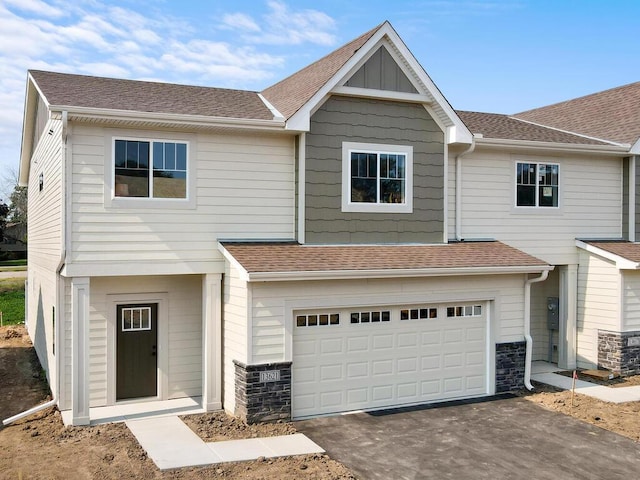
(385, 364)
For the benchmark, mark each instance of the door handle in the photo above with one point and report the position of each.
(153, 351)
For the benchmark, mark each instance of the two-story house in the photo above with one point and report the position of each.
(342, 240)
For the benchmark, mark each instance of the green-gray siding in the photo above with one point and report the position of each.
(381, 72)
(625, 198)
(343, 119)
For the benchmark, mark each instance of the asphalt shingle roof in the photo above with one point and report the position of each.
(62, 89)
(622, 248)
(290, 94)
(612, 114)
(504, 127)
(292, 257)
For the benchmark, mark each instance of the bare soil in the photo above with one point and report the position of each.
(41, 447)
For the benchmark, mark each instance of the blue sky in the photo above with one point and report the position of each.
(500, 56)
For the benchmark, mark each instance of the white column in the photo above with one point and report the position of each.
(567, 343)
(80, 350)
(212, 342)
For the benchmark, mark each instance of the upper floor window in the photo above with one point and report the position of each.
(377, 178)
(537, 184)
(150, 169)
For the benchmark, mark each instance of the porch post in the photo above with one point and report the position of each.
(211, 342)
(567, 342)
(80, 350)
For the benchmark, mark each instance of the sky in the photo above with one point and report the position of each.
(502, 56)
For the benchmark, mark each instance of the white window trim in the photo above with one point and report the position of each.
(536, 207)
(349, 206)
(110, 199)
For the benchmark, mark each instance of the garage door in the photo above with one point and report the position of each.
(368, 358)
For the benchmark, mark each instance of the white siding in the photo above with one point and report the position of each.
(184, 363)
(631, 299)
(451, 200)
(244, 189)
(235, 331)
(269, 331)
(44, 234)
(590, 204)
(599, 284)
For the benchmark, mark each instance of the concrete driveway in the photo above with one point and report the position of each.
(501, 438)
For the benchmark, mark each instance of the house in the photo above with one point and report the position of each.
(342, 240)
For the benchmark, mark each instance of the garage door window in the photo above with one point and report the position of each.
(419, 313)
(371, 317)
(314, 320)
(464, 311)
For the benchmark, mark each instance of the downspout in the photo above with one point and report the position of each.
(458, 210)
(59, 293)
(527, 327)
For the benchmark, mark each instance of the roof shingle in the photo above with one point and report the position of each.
(612, 114)
(62, 89)
(504, 127)
(290, 94)
(292, 257)
(622, 248)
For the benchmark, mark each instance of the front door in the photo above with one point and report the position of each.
(136, 345)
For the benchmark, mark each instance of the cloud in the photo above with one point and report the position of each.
(35, 6)
(283, 26)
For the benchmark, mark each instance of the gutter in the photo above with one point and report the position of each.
(618, 150)
(527, 326)
(31, 411)
(458, 226)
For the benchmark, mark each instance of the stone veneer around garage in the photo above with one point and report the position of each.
(510, 359)
(619, 352)
(259, 399)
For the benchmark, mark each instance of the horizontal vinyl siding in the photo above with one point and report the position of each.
(539, 332)
(631, 299)
(244, 189)
(268, 302)
(234, 331)
(590, 199)
(598, 304)
(184, 362)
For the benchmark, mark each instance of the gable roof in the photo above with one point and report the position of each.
(68, 90)
(612, 115)
(625, 254)
(504, 127)
(290, 94)
(289, 260)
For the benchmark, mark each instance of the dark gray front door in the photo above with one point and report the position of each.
(136, 345)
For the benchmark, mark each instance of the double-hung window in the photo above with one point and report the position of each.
(377, 178)
(537, 184)
(150, 169)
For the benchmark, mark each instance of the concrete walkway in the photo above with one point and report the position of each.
(171, 444)
(545, 373)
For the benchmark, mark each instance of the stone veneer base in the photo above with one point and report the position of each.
(510, 366)
(619, 352)
(263, 401)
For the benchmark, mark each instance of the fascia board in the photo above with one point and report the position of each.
(32, 93)
(391, 273)
(244, 275)
(635, 149)
(621, 262)
(619, 151)
(97, 113)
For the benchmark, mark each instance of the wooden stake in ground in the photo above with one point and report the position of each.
(573, 386)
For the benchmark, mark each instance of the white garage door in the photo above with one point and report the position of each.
(369, 358)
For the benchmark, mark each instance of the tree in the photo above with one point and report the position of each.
(18, 205)
(4, 212)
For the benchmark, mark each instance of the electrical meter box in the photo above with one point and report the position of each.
(553, 316)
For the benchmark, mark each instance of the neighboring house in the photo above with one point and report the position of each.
(341, 240)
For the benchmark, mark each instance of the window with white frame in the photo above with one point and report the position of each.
(537, 184)
(136, 319)
(150, 168)
(377, 178)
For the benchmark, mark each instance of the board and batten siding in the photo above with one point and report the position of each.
(599, 304)
(631, 300)
(184, 330)
(269, 302)
(590, 204)
(343, 119)
(235, 329)
(244, 189)
(44, 231)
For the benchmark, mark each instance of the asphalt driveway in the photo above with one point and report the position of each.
(504, 437)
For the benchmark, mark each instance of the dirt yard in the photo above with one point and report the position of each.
(40, 447)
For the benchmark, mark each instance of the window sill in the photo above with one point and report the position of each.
(541, 211)
(132, 203)
(377, 208)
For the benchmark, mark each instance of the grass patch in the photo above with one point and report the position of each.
(12, 300)
(13, 263)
